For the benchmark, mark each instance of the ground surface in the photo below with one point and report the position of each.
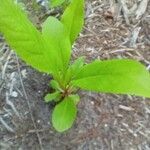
(105, 121)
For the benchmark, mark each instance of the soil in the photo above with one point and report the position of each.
(104, 121)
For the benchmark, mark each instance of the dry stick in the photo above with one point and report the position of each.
(125, 11)
(8, 102)
(141, 8)
(134, 36)
(6, 125)
(28, 103)
(4, 69)
(6, 64)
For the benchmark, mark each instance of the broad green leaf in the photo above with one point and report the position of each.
(73, 18)
(56, 32)
(64, 115)
(115, 76)
(75, 98)
(51, 97)
(77, 65)
(74, 69)
(55, 3)
(37, 50)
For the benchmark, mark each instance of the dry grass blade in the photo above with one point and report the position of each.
(142, 8)
(28, 103)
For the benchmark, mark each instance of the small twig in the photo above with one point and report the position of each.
(126, 108)
(6, 125)
(134, 36)
(90, 31)
(142, 8)
(5, 65)
(125, 11)
(39, 130)
(8, 102)
(128, 129)
(121, 50)
(1, 85)
(28, 103)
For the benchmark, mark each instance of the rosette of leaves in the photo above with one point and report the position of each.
(49, 51)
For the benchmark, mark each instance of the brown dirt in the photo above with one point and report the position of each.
(104, 121)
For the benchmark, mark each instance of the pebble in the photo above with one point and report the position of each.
(38, 121)
(24, 73)
(92, 102)
(14, 94)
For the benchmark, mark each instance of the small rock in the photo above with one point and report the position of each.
(38, 121)
(14, 94)
(92, 102)
(24, 73)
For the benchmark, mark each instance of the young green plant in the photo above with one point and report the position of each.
(49, 51)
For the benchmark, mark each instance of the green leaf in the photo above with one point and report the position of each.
(74, 69)
(56, 32)
(77, 65)
(64, 115)
(51, 97)
(75, 98)
(25, 39)
(55, 85)
(73, 18)
(115, 76)
(55, 3)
